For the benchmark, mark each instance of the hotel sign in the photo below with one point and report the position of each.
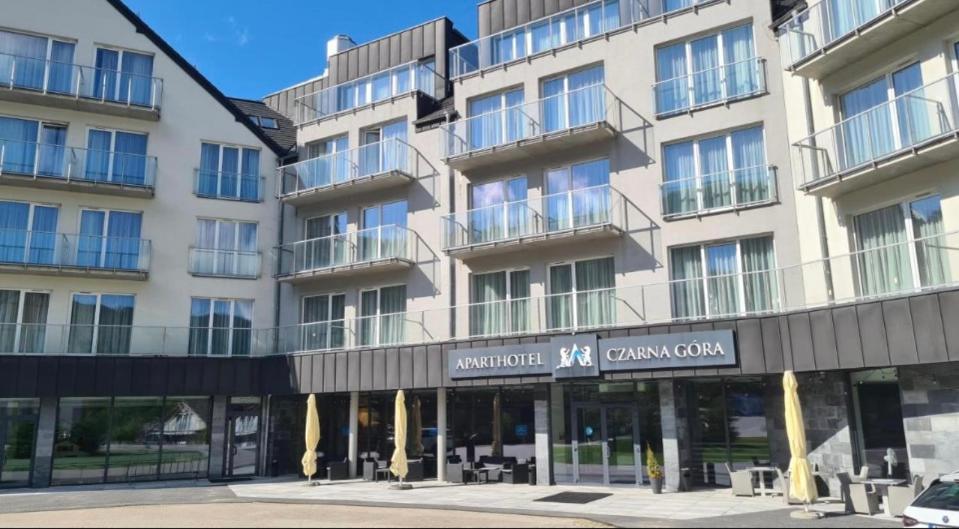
(583, 355)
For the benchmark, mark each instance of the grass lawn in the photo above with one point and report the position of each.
(70, 462)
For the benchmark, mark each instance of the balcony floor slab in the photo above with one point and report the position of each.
(607, 231)
(350, 270)
(79, 186)
(349, 189)
(72, 271)
(68, 102)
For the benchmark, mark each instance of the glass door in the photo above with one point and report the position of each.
(606, 447)
(18, 426)
(622, 435)
(243, 437)
(589, 447)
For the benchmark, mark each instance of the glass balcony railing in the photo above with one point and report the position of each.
(556, 31)
(402, 80)
(726, 83)
(56, 250)
(580, 209)
(224, 263)
(582, 107)
(80, 82)
(331, 170)
(58, 162)
(920, 116)
(726, 190)
(363, 247)
(825, 22)
(227, 185)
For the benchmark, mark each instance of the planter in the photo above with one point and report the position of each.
(657, 485)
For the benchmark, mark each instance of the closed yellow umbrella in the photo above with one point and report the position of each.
(399, 466)
(801, 485)
(312, 437)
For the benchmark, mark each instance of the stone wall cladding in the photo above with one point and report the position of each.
(930, 412)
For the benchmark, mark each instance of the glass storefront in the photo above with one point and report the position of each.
(491, 422)
(131, 439)
(242, 437)
(287, 423)
(600, 432)
(375, 439)
(18, 429)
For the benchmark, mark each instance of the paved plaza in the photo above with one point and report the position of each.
(269, 503)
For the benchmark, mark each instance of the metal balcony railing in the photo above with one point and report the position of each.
(58, 162)
(331, 170)
(228, 185)
(570, 211)
(80, 82)
(713, 86)
(363, 247)
(224, 263)
(88, 252)
(918, 117)
(582, 107)
(726, 190)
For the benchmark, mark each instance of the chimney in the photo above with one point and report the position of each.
(337, 44)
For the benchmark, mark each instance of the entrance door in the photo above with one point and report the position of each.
(17, 435)
(242, 437)
(606, 444)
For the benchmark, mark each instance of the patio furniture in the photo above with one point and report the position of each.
(761, 474)
(742, 481)
(899, 497)
(370, 468)
(384, 473)
(415, 471)
(454, 469)
(476, 475)
(881, 489)
(496, 465)
(516, 474)
(782, 487)
(338, 470)
(864, 501)
(844, 483)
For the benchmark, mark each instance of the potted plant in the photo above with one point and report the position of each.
(654, 471)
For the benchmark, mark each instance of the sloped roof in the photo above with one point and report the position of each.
(195, 74)
(285, 136)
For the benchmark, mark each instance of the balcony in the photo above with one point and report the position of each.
(227, 185)
(46, 253)
(912, 131)
(57, 167)
(368, 91)
(573, 216)
(829, 35)
(235, 264)
(709, 88)
(386, 164)
(380, 249)
(571, 119)
(74, 87)
(719, 192)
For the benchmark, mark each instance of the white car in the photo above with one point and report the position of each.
(937, 506)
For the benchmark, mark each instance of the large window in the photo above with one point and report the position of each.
(716, 172)
(582, 294)
(573, 99)
(385, 85)
(383, 231)
(383, 316)
(328, 162)
(28, 233)
(229, 172)
(18, 427)
(110, 239)
(226, 248)
(23, 321)
(496, 119)
(500, 303)
(578, 196)
(724, 278)
(33, 147)
(36, 63)
(131, 439)
(495, 422)
(499, 211)
(325, 243)
(101, 324)
(323, 322)
(901, 247)
(221, 327)
(707, 70)
(383, 149)
(117, 157)
(124, 76)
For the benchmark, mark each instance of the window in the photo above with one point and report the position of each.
(574, 99)
(707, 70)
(117, 157)
(716, 172)
(323, 322)
(110, 239)
(36, 63)
(496, 119)
(226, 248)
(499, 211)
(28, 233)
(328, 163)
(725, 278)
(901, 247)
(101, 324)
(23, 321)
(578, 196)
(33, 147)
(383, 231)
(125, 77)
(326, 243)
(500, 303)
(384, 149)
(582, 294)
(221, 327)
(383, 316)
(265, 122)
(229, 172)
(384, 85)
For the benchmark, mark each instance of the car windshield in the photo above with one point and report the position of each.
(941, 496)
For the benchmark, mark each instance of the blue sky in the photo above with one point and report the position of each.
(249, 48)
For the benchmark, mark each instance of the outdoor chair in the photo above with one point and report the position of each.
(371, 469)
(901, 497)
(864, 501)
(844, 483)
(415, 471)
(338, 470)
(517, 474)
(742, 481)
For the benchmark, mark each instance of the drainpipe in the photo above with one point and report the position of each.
(820, 206)
(276, 284)
(451, 209)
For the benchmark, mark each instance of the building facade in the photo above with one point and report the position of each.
(600, 227)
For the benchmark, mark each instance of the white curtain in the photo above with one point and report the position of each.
(722, 283)
(672, 87)
(13, 231)
(751, 175)
(868, 127)
(918, 115)
(596, 297)
(99, 144)
(884, 265)
(931, 245)
(129, 159)
(488, 309)
(760, 283)
(680, 194)
(742, 76)
(713, 168)
(485, 128)
(22, 60)
(687, 285)
(561, 297)
(43, 235)
(587, 97)
(123, 241)
(62, 76)
(209, 174)
(18, 138)
(136, 79)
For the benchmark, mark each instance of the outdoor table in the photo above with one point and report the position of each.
(762, 476)
(473, 475)
(882, 488)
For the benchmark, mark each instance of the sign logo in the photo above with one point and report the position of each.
(581, 355)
